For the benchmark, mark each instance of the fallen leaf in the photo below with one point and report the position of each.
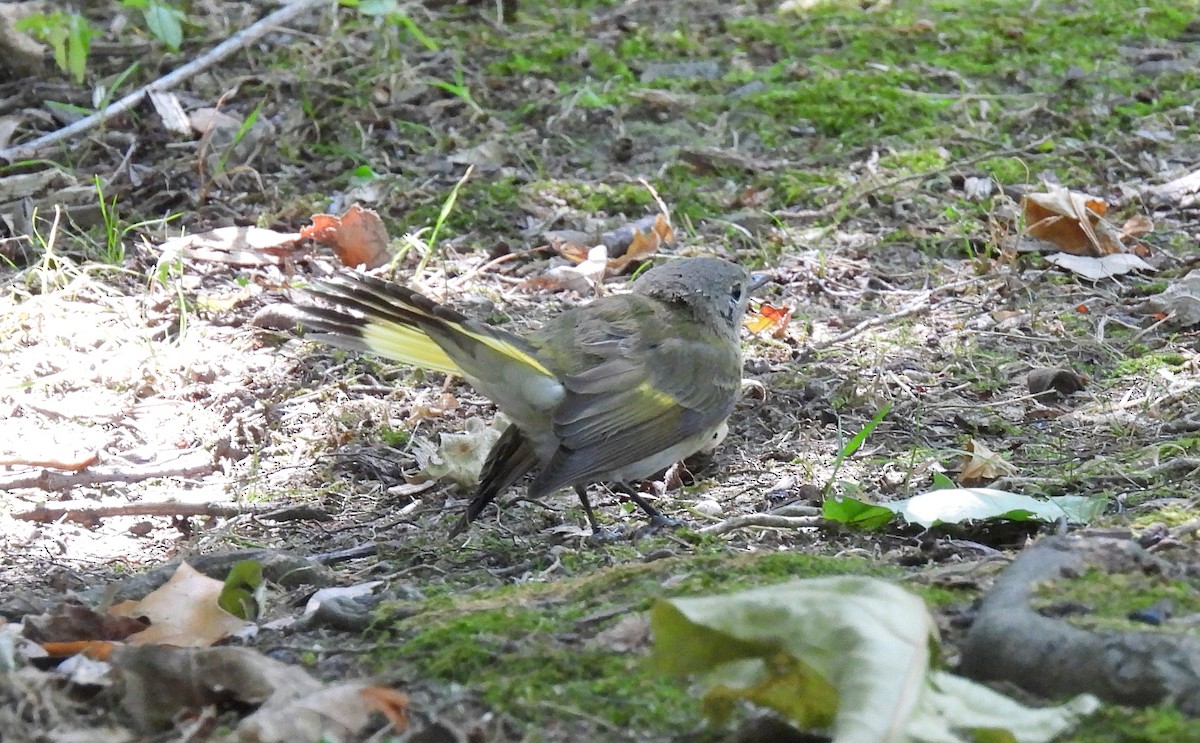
(1138, 225)
(642, 243)
(1180, 302)
(963, 506)
(459, 457)
(582, 278)
(629, 634)
(242, 593)
(984, 465)
(846, 656)
(161, 682)
(446, 403)
(486, 156)
(334, 713)
(1072, 221)
(774, 319)
(357, 237)
(1089, 267)
(624, 245)
(71, 621)
(183, 612)
(204, 120)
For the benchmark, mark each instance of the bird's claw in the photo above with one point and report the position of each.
(604, 536)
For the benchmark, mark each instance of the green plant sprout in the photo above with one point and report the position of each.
(854, 445)
(163, 20)
(70, 36)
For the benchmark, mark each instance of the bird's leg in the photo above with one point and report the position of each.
(657, 520)
(599, 533)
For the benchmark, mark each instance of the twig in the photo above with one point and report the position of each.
(187, 464)
(226, 48)
(82, 461)
(764, 520)
(921, 305)
(87, 512)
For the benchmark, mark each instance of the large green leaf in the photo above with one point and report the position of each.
(846, 655)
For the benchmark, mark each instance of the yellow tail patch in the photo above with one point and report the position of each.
(407, 345)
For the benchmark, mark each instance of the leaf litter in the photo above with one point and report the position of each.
(176, 374)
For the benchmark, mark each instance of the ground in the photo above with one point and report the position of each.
(870, 160)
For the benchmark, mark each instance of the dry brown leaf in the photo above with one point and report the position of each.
(391, 703)
(70, 621)
(1072, 221)
(628, 243)
(182, 612)
(581, 279)
(984, 465)
(446, 403)
(333, 713)
(573, 251)
(642, 243)
(357, 237)
(162, 682)
(1138, 225)
(204, 120)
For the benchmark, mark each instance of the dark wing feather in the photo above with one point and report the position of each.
(646, 385)
(511, 457)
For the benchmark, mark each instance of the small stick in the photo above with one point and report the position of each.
(241, 39)
(87, 512)
(761, 520)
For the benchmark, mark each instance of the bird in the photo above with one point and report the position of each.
(612, 391)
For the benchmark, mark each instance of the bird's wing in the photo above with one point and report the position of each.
(650, 383)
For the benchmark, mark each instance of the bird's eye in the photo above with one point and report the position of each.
(736, 292)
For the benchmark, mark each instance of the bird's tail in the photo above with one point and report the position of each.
(511, 457)
(364, 313)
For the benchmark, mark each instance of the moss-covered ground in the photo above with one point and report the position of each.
(862, 154)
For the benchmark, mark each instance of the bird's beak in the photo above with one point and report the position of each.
(759, 279)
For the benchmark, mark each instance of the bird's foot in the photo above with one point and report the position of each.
(657, 523)
(601, 536)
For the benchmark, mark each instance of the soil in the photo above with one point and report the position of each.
(140, 378)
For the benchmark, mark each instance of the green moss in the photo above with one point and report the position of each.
(631, 199)
(1112, 596)
(483, 205)
(1162, 724)
(393, 437)
(1139, 361)
(915, 161)
(1007, 170)
(1151, 288)
(528, 652)
(1169, 515)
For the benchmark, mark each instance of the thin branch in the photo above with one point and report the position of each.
(917, 307)
(186, 464)
(215, 55)
(761, 520)
(89, 512)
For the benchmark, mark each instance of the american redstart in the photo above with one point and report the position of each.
(612, 391)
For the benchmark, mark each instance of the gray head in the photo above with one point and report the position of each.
(716, 290)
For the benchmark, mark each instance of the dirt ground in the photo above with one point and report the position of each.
(138, 393)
